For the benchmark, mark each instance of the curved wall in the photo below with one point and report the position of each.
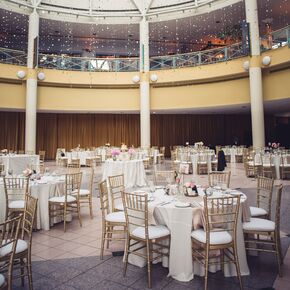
(215, 85)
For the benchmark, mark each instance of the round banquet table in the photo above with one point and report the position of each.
(42, 189)
(133, 170)
(180, 222)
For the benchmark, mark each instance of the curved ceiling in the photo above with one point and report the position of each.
(113, 12)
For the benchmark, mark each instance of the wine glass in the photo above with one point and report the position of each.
(10, 172)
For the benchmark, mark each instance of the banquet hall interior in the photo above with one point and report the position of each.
(144, 144)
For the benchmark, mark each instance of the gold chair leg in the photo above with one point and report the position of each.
(148, 264)
(29, 272)
(206, 267)
(22, 265)
(127, 248)
(91, 207)
(79, 213)
(103, 242)
(238, 268)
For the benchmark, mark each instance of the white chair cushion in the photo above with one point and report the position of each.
(257, 211)
(119, 207)
(84, 192)
(20, 247)
(61, 199)
(116, 217)
(256, 224)
(16, 204)
(216, 238)
(154, 232)
(2, 280)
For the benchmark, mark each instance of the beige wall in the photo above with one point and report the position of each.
(212, 85)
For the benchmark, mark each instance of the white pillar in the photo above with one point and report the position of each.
(31, 85)
(255, 73)
(144, 84)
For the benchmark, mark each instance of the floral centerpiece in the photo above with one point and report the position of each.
(115, 153)
(107, 145)
(124, 147)
(275, 145)
(190, 189)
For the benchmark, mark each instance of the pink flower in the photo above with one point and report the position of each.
(115, 152)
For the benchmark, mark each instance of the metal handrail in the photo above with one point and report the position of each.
(278, 38)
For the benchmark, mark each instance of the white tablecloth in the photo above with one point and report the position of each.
(43, 190)
(82, 155)
(180, 222)
(18, 162)
(194, 158)
(133, 170)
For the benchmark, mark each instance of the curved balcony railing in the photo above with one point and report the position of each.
(277, 39)
(11, 56)
(88, 64)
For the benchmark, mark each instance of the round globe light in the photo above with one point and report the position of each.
(246, 65)
(266, 60)
(41, 76)
(21, 74)
(154, 78)
(136, 79)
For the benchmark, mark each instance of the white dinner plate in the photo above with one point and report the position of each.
(182, 204)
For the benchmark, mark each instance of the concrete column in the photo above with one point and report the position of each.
(255, 74)
(144, 84)
(31, 85)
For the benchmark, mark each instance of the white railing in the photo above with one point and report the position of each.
(12, 56)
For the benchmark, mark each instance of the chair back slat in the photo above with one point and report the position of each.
(116, 184)
(264, 193)
(217, 178)
(164, 177)
(136, 210)
(221, 214)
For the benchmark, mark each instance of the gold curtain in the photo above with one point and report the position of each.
(56, 130)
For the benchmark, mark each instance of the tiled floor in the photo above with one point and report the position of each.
(71, 261)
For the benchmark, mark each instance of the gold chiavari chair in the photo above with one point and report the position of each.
(268, 167)
(217, 178)
(62, 205)
(141, 235)
(74, 163)
(116, 184)
(95, 160)
(164, 177)
(219, 234)
(21, 152)
(9, 232)
(264, 198)
(110, 220)
(86, 194)
(22, 257)
(202, 167)
(15, 189)
(263, 235)
(285, 166)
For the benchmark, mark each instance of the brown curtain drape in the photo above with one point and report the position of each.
(56, 130)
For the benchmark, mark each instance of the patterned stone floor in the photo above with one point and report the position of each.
(70, 261)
